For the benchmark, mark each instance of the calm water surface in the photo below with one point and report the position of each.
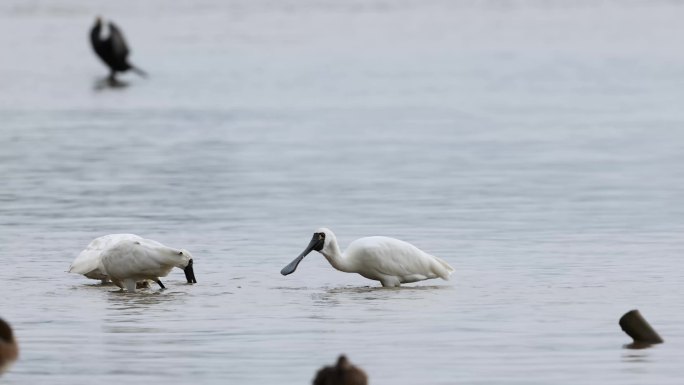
(536, 146)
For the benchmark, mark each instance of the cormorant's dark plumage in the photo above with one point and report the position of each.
(112, 50)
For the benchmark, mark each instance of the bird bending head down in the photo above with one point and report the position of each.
(130, 261)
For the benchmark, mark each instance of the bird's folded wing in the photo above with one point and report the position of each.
(89, 259)
(118, 42)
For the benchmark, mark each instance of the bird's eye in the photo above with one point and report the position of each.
(321, 236)
(180, 253)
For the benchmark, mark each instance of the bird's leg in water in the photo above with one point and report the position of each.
(118, 283)
(130, 285)
(159, 282)
(112, 78)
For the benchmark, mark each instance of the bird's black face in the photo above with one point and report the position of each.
(190, 272)
(317, 243)
(319, 238)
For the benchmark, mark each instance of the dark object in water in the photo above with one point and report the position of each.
(343, 373)
(634, 324)
(9, 350)
(112, 50)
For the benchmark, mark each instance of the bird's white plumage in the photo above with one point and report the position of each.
(393, 261)
(388, 260)
(129, 261)
(89, 261)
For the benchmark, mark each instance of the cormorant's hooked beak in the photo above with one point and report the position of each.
(316, 243)
(190, 273)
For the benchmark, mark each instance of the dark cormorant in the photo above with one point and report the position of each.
(112, 49)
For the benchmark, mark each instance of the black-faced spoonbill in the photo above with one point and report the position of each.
(112, 50)
(89, 261)
(344, 373)
(9, 350)
(130, 261)
(388, 260)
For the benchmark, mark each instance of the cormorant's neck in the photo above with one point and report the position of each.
(95, 33)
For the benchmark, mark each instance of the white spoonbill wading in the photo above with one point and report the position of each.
(89, 261)
(129, 261)
(388, 260)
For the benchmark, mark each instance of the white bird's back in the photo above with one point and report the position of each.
(90, 259)
(141, 259)
(375, 257)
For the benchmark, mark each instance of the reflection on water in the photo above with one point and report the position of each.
(96, 285)
(636, 357)
(535, 148)
(143, 297)
(406, 289)
(109, 83)
(379, 292)
(337, 296)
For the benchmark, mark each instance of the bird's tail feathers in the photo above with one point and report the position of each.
(139, 71)
(443, 264)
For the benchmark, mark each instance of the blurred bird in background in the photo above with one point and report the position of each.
(112, 49)
(9, 350)
(343, 373)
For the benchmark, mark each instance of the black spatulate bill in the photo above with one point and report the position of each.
(316, 243)
(190, 273)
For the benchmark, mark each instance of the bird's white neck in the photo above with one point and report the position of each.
(334, 255)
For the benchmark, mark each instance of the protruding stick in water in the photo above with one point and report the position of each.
(634, 324)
